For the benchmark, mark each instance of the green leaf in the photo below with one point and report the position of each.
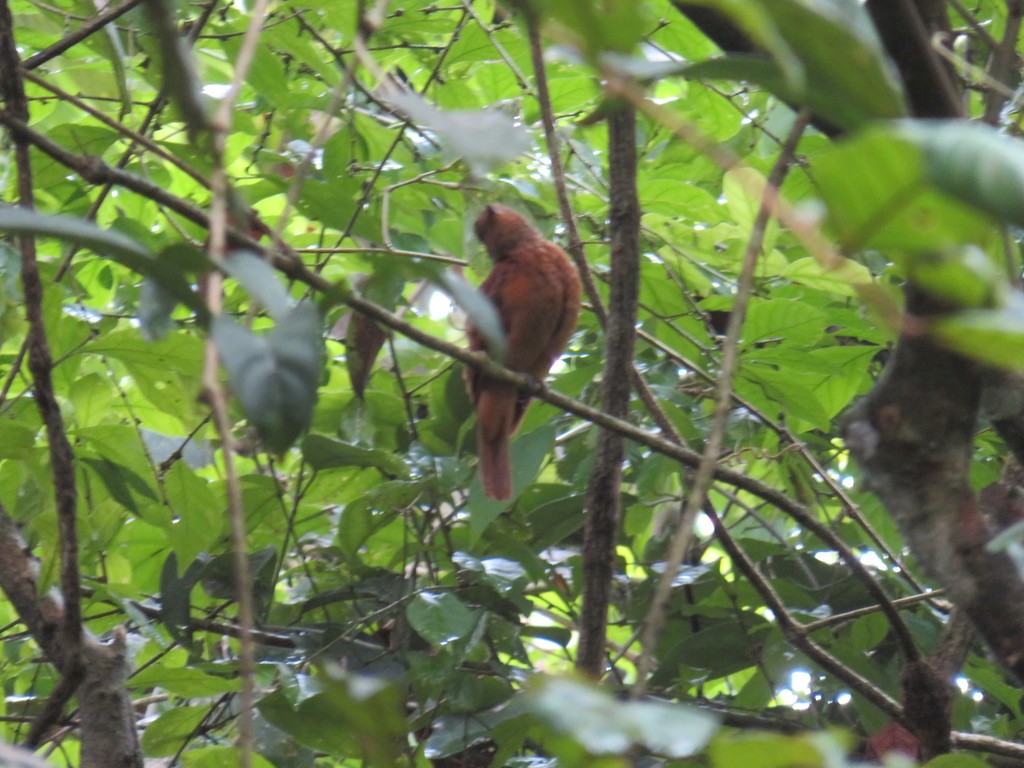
(962, 278)
(604, 725)
(835, 40)
(878, 196)
(994, 336)
(817, 93)
(441, 618)
(479, 310)
(260, 280)
(107, 242)
(179, 70)
(599, 26)
(763, 750)
(528, 453)
(183, 681)
(363, 337)
(123, 484)
(353, 715)
(155, 307)
(167, 372)
(275, 376)
(972, 162)
(176, 595)
(454, 734)
(219, 577)
(959, 760)
(485, 139)
(218, 757)
(326, 453)
(172, 730)
(840, 280)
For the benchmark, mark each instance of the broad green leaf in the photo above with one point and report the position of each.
(219, 579)
(167, 372)
(325, 453)
(604, 725)
(878, 196)
(963, 278)
(994, 336)
(107, 242)
(155, 307)
(758, 24)
(441, 618)
(479, 309)
(183, 681)
(840, 280)
(764, 750)
(528, 453)
(363, 337)
(826, 56)
(598, 26)
(352, 715)
(178, 65)
(959, 760)
(123, 484)
(172, 730)
(454, 734)
(176, 595)
(485, 139)
(218, 757)
(781, 320)
(814, 95)
(820, 31)
(274, 376)
(260, 280)
(973, 162)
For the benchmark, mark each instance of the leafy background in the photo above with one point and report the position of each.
(402, 615)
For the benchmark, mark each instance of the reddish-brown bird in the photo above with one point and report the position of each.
(536, 291)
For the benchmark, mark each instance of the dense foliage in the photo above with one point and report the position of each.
(400, 615)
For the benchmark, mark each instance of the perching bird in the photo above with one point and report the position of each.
(536, 292)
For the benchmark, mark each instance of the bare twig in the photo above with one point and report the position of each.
(80, 34)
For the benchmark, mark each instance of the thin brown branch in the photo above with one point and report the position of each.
(701, 482)
(794, 632)
(66, 43)
(574, 246)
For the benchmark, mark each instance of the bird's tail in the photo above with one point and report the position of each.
(495, 414)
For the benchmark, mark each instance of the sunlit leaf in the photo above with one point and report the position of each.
(605, 725)
(484, 139)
